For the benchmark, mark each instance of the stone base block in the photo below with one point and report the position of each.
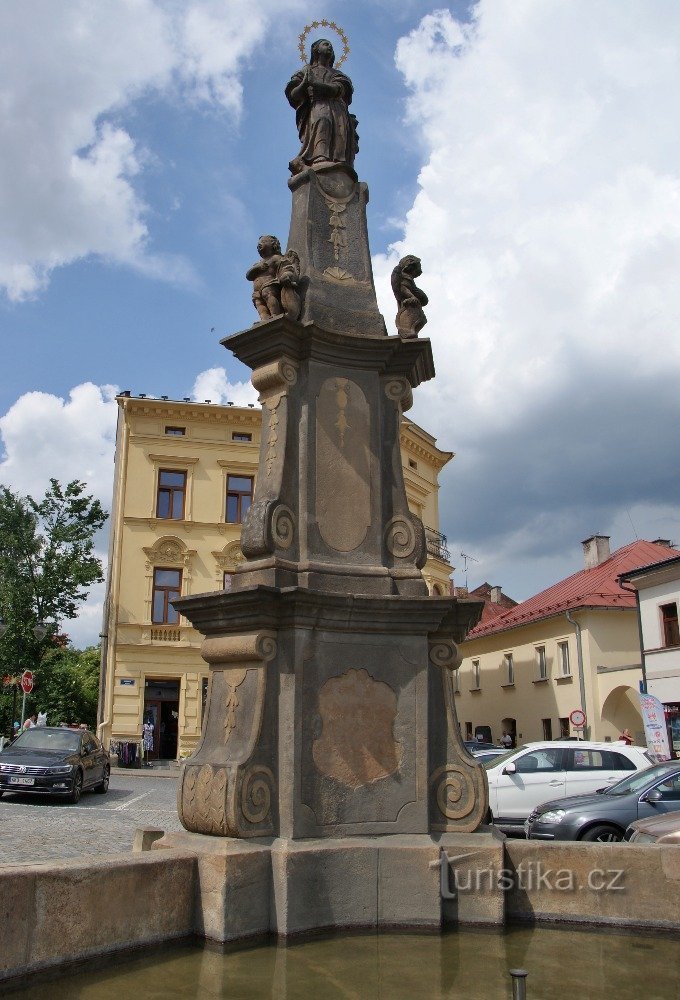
(233, 888)
(288, 887)
(475, 864)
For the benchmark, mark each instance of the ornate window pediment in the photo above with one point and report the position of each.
(226, 561)
(168, 551)
(229, 558)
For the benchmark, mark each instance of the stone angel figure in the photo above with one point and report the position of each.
(275, 280)
(410, 299)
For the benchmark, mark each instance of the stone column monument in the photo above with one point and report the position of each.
(330, 726)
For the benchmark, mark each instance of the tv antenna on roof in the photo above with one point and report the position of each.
(467, 559)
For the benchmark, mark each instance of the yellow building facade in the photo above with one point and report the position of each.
(527, 681)
(184, 476)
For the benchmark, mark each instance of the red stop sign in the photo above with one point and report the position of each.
(27, 682)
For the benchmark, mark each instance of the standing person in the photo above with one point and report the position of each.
(147, 737)
(626, 738)
(506, 740)
(30, 722)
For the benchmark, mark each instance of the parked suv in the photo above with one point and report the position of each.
(523, 778)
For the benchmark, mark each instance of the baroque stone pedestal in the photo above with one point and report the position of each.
(329, 715)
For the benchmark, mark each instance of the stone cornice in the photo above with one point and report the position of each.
(279, 337)
(166, 524)
(435, 455)
(268, 607)
(172, 409)
(175, 459)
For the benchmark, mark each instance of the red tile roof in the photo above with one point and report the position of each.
(589, 588)
(491, 609)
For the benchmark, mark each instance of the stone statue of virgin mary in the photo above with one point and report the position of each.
(321, 96)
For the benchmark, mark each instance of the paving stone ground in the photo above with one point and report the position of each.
(36, 829)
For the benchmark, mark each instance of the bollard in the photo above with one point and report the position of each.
(519, 983)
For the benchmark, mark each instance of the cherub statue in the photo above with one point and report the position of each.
(275, 280)
(410, 299)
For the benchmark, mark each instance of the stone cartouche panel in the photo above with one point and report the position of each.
(343, 488)
(357, 744)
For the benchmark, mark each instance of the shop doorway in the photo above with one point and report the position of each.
(509, 726)
(161, 709)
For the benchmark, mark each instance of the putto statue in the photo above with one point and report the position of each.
(410, 299)
(275, 280)
(321, 96)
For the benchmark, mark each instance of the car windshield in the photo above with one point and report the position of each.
(40, 738)
(636, 782)
(501, 759)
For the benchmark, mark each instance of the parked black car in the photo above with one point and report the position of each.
(54, 761)
(605, 814)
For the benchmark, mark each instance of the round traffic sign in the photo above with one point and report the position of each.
(577, 718)
(27, 682)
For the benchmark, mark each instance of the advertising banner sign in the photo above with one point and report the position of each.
(654, 720)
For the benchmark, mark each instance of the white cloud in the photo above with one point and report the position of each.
(67, 72)
(45, 436)
(548, 221)
(214, 384)
(548, 215)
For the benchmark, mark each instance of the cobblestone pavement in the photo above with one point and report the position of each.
(34, 829)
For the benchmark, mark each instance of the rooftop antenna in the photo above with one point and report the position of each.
(467, 559)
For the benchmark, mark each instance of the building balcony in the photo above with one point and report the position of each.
(436, 544)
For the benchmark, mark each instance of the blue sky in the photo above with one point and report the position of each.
(528, 152)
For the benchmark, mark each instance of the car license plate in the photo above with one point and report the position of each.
(21, 781)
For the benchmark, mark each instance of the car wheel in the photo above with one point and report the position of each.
(103, 785)
(604, 833)
(74, 797)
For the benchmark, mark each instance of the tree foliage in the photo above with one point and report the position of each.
(47, 566)
(47, 559)
(66, 688)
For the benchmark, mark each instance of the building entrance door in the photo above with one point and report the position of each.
(161, 709)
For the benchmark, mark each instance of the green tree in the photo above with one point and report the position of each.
(67, 686)
(47, 566)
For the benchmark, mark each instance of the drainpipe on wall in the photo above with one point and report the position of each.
(581, 678)
(643, 662)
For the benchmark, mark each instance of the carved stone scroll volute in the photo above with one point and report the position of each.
(270, 523)
(459, 791)
(227, 788)
(404, 534)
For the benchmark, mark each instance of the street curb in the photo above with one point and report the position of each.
(147, 772)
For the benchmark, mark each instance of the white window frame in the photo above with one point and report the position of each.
(564, 657)
(541, 663)
(509, 664)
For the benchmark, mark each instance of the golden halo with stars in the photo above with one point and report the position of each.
(324, 24)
